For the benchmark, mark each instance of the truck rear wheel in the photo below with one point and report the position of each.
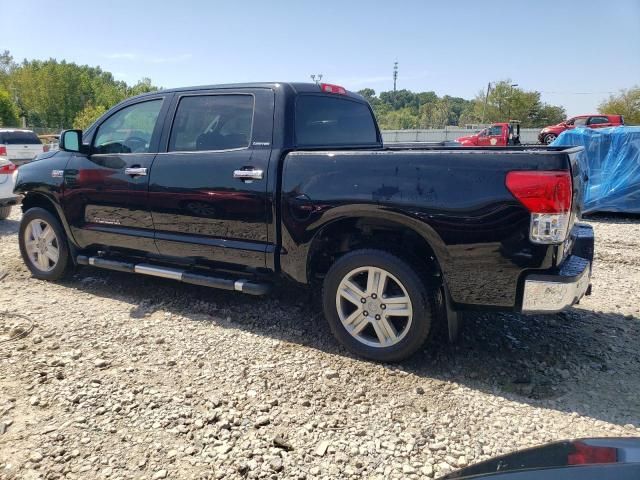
(43, 245)
(377, 306)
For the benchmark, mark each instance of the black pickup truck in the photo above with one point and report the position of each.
(244, 187)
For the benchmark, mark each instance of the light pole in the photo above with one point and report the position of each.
(486, 98)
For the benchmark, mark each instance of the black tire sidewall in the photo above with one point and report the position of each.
(420, 295)
(62, 267)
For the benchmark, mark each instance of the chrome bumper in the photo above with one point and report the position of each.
(553, 293)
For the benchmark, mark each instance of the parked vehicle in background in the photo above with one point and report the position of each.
(497, 135)
(50, 142)
(550, 133)
(243, 187)
(20, 146)
(579, 459)
(7, 181)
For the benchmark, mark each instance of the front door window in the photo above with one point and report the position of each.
(129, 130)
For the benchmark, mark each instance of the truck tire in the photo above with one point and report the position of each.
(43, 245)
(360, 292)
(5, 212)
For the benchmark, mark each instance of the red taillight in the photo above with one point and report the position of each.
(7, 169)
(541, 192)
(3, 150)
(329, 88)
(45, 148)
(584, 454)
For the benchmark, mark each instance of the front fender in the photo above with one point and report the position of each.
(42, 184)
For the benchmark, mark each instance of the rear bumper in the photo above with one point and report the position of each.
(564, 286)
(9, 201)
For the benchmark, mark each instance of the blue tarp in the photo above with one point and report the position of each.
(612, 163)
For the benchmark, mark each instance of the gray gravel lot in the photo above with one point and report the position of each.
(134, 377)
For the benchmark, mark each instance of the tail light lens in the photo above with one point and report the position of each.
(45, 148)
(584, 454)
(547, 195)
(7, 169)
(330, 88)
(3, 150)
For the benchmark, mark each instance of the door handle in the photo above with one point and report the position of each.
(252, 174)
(136, 171)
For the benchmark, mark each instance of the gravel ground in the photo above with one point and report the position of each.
(134, 377)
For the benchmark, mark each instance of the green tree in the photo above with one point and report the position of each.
(57, 94)
(8, 110)
(626, 103)
(89, 114)
(505, 103)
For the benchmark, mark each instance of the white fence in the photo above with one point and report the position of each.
(527, 135)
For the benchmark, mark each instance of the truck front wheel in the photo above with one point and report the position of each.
(377, 305)
(43, 245)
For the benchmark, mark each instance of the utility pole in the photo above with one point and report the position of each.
(486, 98)
(395, 75)
(319, 78)
(511, 98)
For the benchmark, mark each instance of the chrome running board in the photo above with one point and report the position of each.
(249, 287)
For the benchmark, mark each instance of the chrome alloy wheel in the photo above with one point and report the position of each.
(42, 245)
(374, 307)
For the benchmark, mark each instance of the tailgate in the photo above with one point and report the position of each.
(579, 173)
(23, 153)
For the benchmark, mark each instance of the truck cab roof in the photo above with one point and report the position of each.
(294, 87)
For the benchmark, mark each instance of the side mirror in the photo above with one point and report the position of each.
(71, 141)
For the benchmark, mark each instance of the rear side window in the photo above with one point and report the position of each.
(323, 120)
(212, 122)
(19, 138)
(598, 120)
(495, 130)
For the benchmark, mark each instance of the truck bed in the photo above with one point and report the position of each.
(456, 195)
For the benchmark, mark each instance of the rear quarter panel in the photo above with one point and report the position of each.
(456, 199)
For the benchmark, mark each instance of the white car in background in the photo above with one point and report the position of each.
(7, 181)
(20, 146)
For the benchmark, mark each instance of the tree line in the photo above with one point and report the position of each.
(404, 109)
(58, 94)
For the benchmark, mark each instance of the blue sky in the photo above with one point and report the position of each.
(574, 52)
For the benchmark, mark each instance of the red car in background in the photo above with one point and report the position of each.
(497, 135)
(549, 134)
